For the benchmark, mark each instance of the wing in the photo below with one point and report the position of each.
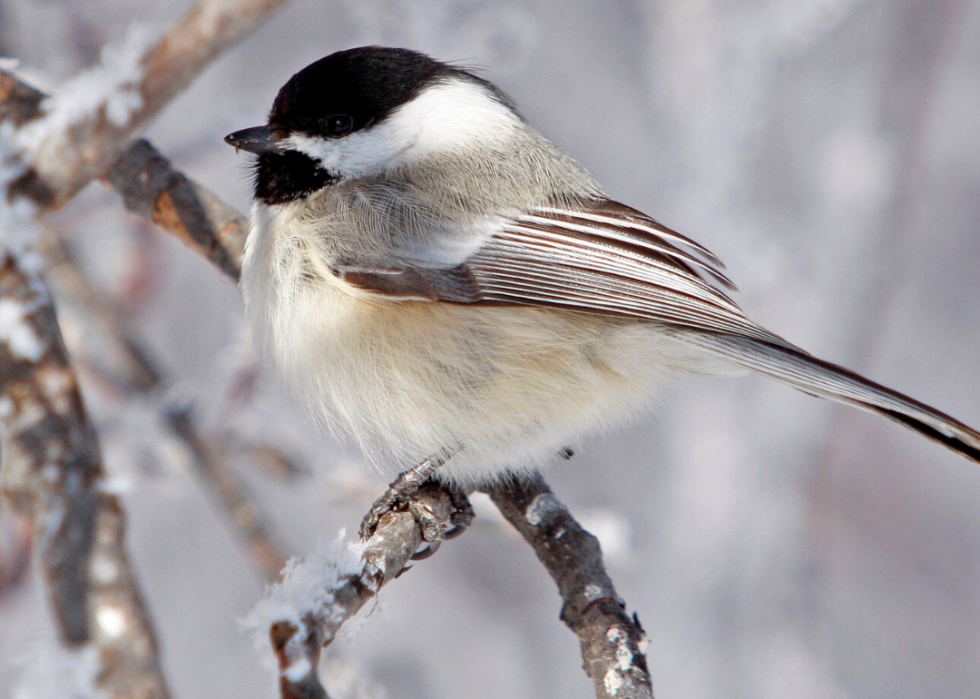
(606, 258)
(613, 260)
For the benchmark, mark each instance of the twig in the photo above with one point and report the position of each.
(613, 643)
(52, 471)
(152, 188)
(69, 151)
(231, 492)
(299, 633)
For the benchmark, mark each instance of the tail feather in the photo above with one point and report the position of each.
(823, 379)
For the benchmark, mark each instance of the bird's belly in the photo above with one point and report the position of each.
(507, 387)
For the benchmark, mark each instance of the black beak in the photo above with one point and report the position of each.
(258, 140)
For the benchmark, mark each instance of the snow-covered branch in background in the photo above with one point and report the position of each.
(87, 126)
(151, 188)
(52, 474)
(133, 373)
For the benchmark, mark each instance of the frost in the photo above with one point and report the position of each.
(111, 620)
(56, 672)
(104, 569)
(594, 592)
(298, 670)
(307, 588)
(19, 233)
(17, 332)
(540, 508)
(112, 88)
(613, 679)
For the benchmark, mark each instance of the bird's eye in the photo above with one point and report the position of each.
(339, 124)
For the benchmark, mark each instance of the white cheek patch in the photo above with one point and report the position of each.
(360, 154)
(445, 117)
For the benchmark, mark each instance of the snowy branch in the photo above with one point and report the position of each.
(152, 188)
(52, 475)
(85, 128)
(303, 614)
(613, 643)
(51, 466)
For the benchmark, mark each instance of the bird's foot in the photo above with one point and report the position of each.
(400, 497)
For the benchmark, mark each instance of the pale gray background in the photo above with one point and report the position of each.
(827, 150)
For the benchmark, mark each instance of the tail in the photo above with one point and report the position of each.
(816, 377)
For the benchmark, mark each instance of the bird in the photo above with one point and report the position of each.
(439, 282)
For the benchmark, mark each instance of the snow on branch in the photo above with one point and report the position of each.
(303, 614)
(150, 187)
(52, 475)
(51, 465)
(88, 125)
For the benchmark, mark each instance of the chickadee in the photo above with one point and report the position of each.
(437, 279)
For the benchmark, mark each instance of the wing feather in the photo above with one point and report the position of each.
(606, 258)
(610, 260)
(611, 231)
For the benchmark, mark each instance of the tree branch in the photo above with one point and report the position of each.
(139, 374)
(300, 624)
(151, 188)
(613, 643)
(51, 469)
(81, 134)
(52, 474)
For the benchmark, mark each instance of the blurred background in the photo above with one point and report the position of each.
(772, 545)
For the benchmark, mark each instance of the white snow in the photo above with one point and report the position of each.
(539, 509)
(17, 332)
(55, 672)
(111, 87)
(111, 620)
(613, 679)
(298, 670)
(18, 230)
(594, 592)
(307, 588)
